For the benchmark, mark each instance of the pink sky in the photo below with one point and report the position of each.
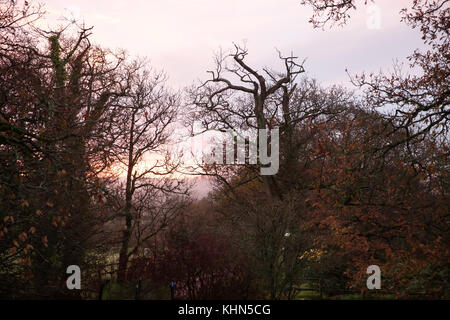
(181, 36)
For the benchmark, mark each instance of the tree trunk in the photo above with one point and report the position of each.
(126, 234)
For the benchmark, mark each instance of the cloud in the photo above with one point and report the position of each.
(105, 18)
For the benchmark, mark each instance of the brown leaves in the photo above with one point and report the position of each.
(8, 218)
(27, 248)
(26, 261)
(56, 221)
(24, 204)
(23, 236)
(45, 241)
(61, 173)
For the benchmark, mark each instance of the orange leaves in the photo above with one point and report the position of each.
(316, 205)
(23, 236)
(26, 261)
(32, 230)
(320, 149)
(99, 198)
(8, 218)
(45, 241)
(61, 173)
(27, 248)
(24, 204)
(56, 221)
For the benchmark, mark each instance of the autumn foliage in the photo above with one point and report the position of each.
(89, 175)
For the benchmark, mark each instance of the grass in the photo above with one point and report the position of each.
(115, 291)
(311, 294)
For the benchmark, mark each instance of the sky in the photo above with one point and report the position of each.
(182, 36)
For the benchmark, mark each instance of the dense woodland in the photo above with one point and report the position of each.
(363, 177)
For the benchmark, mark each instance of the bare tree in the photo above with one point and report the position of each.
(143, 132)
(421, 99)
(239, 97)
(13, 18)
